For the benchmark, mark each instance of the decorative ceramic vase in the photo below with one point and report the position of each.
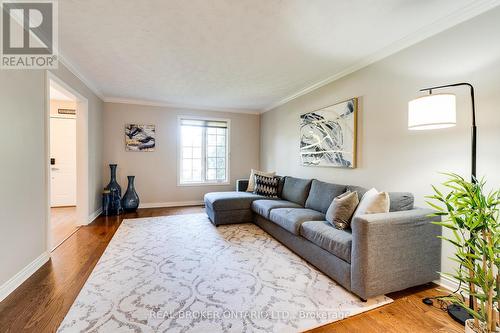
(115, 207)
(130, 201)
(106, 202)
(113, 184)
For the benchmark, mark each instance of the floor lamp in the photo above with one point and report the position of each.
(436, 111)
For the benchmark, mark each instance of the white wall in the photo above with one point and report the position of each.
(22, 173)
(391, 157)
(156, 172)
(23, 191)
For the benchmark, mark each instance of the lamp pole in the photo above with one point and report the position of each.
(455, 311)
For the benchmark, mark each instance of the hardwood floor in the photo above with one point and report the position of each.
(62, 224)
(40, 304)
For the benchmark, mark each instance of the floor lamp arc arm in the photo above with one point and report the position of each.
(474, 128)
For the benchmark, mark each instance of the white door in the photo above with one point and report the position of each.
(63, 161)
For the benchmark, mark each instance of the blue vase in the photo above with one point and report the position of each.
(130, 201)
(106, 203)
(115, 207)
(113, 185)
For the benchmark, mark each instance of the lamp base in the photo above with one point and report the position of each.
(458, 313)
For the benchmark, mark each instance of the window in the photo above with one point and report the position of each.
(203, 151)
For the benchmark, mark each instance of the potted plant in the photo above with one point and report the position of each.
(472, 216)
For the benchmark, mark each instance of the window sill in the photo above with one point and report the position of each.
(203, 184)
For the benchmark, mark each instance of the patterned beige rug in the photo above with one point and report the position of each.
(182, 274)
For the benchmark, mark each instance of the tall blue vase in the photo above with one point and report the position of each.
(113, 185)
(130, 201)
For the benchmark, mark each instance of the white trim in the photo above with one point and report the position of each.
(72, 68)
(94, 215)
(448, 283)
(463, 14)
(203, 184)
(82, 168)
(8, 287)
(119, 100)
(171, 204)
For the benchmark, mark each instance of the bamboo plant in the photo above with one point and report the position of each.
(473, 220)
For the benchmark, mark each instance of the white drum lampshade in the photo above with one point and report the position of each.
(432, 112)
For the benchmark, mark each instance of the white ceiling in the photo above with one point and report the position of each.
(240, 55)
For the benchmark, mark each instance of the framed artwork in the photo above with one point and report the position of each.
(140, 137)
(328, 136)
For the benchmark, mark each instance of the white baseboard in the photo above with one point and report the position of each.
(447, 283)
(14, 282)
(171, 204)
(94, 215)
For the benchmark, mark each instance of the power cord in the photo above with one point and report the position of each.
(443, 305)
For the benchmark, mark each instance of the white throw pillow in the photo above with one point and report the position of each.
(373, 202)
(251, 180)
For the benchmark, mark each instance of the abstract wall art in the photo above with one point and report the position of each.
(140, 137)
(328, 136)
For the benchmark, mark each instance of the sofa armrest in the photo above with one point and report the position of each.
(241, 185)
(394, 251)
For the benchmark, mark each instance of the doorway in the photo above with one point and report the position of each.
(67, 173)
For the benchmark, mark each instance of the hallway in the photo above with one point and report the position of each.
(62, 224)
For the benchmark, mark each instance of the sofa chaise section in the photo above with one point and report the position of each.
(230, 207)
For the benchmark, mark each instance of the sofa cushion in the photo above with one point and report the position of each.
(291, 218)
(337, 242)
(359, 189)
(401, 201)
(230, 200)
(264, 207)
(296, 190)
(322, 194)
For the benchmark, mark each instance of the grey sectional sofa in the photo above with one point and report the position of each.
(381, 253)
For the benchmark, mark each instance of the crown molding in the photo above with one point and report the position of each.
(73, 69)
(176, 105)
(466, 13)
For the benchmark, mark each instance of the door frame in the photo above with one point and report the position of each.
(82, 154)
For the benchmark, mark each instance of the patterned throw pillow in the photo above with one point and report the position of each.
(266, 186)
(251, 180)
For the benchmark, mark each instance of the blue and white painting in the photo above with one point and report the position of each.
(328, 136)
(140, 137)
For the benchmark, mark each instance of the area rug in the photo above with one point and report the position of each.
(182, 274)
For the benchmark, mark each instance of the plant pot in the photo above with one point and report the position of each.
(469, 324)
(130, 201)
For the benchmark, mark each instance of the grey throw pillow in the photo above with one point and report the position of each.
(341, 210)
